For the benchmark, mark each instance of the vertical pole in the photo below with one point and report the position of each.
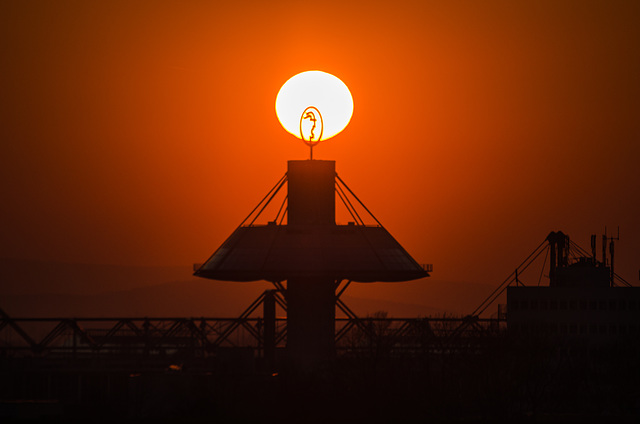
(611, 252)
(75, 344)
(269, 318)
(145, 337)
(552, 255)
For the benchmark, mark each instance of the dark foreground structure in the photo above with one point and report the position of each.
(568, 352)
(385, 370)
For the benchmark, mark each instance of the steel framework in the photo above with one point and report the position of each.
(203, 337)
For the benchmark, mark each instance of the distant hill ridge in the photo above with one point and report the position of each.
(30, 276)
(53, 289)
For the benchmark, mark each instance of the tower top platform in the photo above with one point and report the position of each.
(311, 244)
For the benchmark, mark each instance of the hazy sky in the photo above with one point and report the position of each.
(143, 132)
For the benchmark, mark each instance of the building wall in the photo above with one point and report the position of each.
(597, 314)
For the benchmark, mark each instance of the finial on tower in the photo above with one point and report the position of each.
(300, 100)
(311, 127)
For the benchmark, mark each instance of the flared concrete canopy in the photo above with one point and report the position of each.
(281, 252)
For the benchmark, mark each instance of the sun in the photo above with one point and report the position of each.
(310, 90)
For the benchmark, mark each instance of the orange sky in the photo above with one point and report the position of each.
(144, 132)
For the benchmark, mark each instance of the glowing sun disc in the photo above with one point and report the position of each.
(318, 89)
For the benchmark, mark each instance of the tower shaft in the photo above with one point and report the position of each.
(311, 300)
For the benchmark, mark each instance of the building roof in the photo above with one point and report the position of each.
(280, 252)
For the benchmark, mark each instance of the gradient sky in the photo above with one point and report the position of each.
(143, 132)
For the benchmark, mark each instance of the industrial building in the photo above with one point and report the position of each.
(585, 301)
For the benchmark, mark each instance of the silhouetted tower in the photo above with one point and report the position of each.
(313, 255)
